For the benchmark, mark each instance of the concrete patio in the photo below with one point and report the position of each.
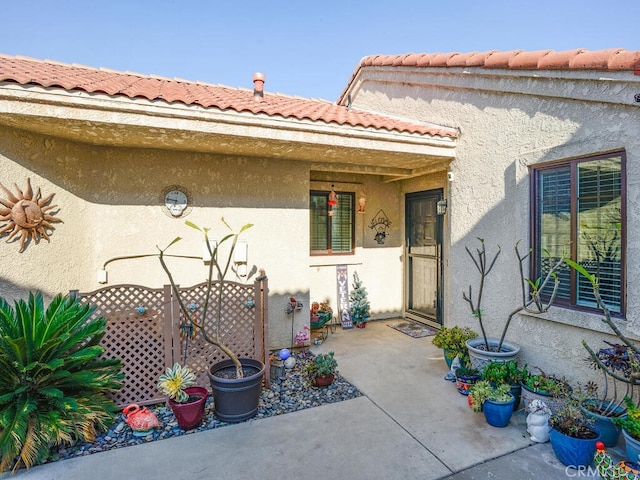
(410, 424)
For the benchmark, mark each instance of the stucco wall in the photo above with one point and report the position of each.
(379, 266)
(501, 134)
(110, 202)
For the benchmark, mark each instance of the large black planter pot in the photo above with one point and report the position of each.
(236, 400)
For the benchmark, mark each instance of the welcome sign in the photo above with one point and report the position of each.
(342, 276)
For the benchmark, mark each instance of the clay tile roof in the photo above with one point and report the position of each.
(500, 59)
(578, 59)
(47, 73)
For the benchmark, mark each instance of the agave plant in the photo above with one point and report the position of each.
(175, 380)
(54, 388)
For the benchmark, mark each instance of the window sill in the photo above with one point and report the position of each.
(588, 321)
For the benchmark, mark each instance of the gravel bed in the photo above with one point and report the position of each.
(288, 394)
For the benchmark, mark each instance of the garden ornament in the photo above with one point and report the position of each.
(141, 420)
(538, 421)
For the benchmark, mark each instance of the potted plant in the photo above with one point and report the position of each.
(509, 373)
(186, 400)
(235, 382)
(630, 425)
(484, 349)
(573, 436)
(551, 390)
(359, 303)
(466, 377)
(496, 402)
(603, 408)
(322, 369)
(453, 340)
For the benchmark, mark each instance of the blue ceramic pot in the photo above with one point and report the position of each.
(632, 447)
(573, 452)
(498, 414)
(609, 433)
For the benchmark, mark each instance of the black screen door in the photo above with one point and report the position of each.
(423, 251)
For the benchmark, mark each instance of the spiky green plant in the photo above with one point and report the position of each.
(54, 388)
(174, 380)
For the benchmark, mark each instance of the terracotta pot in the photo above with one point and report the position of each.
(189, 415)
(361, 325)
(323, 380)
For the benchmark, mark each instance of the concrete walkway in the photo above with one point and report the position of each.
(410, 424)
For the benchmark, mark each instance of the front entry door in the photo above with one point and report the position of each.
(423, 252)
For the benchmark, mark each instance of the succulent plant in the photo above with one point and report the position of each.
(174, 381)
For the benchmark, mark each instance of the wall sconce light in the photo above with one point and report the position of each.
(441, 207)
(362, 202)
(240, 256)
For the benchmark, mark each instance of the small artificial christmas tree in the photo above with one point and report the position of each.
(359, 303)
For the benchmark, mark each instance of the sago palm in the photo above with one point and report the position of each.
(54, 388)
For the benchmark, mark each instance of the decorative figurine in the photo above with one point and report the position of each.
(609, 471)
(538, 421)
(141, 420)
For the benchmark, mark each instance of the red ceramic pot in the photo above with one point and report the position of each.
(189, 415)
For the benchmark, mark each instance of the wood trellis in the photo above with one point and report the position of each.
(143, 331)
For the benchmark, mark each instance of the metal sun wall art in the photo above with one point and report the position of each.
(380, 223)
(26, 214)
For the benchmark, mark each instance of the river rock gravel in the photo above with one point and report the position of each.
(290, 393)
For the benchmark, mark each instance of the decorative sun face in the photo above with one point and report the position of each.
(25, 214)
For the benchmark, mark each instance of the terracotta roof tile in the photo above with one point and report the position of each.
(578, 59)
(47, 73)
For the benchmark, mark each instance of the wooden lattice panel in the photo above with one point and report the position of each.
(238, 326)
(137, 335)
(143, 331)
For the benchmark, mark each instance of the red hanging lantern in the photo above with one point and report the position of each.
(333, 198)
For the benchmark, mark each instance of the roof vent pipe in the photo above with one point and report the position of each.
(258, 85)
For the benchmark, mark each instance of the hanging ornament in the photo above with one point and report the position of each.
(333, 198)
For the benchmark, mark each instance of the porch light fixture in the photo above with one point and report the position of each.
(441, 207)
(362, 202)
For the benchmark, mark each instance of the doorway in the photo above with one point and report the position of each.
(423, 254)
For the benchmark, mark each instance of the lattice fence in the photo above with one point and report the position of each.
(144, 332)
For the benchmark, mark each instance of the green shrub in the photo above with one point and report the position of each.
(53, 387)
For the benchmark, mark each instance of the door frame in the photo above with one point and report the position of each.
(438, 193)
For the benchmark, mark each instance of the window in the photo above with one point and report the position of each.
(332, 231)
(579, 211)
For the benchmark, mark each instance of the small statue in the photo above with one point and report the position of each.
(610, 471)
(538, 421)
(141, 420)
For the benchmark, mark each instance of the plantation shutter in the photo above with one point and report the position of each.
(341, 224)
(554, 224)
(318, 216)
(599, 230)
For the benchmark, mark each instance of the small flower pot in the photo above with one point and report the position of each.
(464, 383)
(189, 415)
(323, 380)
(498, 414)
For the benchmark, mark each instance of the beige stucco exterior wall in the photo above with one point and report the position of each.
(110, 202)
(509, 121)
(379, 266)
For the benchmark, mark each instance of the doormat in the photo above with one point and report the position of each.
(413, 329)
